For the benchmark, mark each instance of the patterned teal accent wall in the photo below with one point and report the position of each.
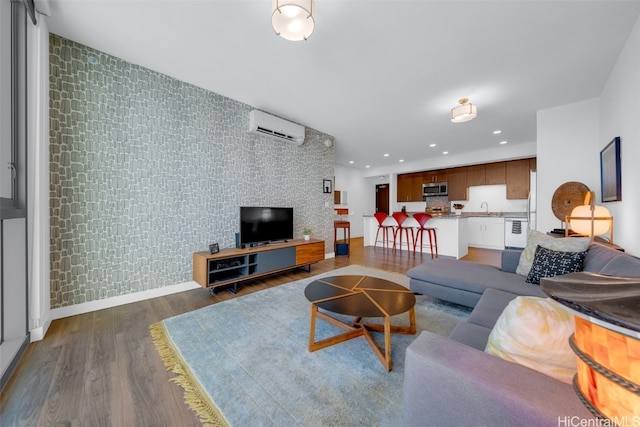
(146, 169)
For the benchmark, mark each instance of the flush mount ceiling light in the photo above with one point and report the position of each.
(463, 112)
(293, 19)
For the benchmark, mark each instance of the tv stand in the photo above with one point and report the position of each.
(232, 266)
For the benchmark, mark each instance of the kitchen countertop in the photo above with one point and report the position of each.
(522, 215)
(496, 214)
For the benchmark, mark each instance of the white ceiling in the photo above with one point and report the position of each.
(380, 76)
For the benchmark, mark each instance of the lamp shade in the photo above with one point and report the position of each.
(463, 112)
(293, 19)
(581, 218)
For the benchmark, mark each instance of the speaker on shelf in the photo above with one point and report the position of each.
(238, 245)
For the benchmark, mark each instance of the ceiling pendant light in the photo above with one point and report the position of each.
(293, 19)
(463, 112)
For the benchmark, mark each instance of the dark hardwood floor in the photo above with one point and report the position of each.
(102, 369)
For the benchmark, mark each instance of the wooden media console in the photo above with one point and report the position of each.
(231, 266)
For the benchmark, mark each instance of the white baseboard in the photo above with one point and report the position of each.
(86, 307)
(37, 334)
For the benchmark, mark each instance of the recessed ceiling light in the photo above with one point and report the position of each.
(351, 162)
(367, 166)
(401, 160)
(386, 155)
(432, 145)
(496, 132)
(503, 142)
(445, 152)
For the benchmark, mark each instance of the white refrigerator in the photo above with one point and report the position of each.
(531, 201)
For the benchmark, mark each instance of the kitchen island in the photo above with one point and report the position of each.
(451, 229)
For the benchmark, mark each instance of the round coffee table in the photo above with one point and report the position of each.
(360, 296)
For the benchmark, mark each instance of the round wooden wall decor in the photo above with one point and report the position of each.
(566, 197)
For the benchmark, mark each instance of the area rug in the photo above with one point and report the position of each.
(245, 361)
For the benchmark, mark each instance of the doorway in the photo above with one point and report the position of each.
(382, 198)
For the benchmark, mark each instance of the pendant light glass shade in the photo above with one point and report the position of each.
(293, 19)
(464, 112)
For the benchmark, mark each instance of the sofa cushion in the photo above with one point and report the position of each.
(565, 244)
(490, 307)
(471, 277)
(550, 263)
(475, 330)
(470, 334)
(534, 332)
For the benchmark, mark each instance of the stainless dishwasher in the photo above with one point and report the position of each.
(515, 232)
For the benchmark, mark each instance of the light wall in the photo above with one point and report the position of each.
(570, 138)
(619, 117)
(567, 151)
(146, 169)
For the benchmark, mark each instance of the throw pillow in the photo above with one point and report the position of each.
(534, 332)
(548, 263)
(535, 238)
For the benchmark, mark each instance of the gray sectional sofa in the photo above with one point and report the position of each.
(464, 282)
(452, 381)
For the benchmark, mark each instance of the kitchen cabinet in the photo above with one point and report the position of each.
(517, 177)
(435, 176)
(410, 187)
(457, 179)
(495, 173)
(475, 175)
(513, 173)
(486, 174)
(486, 232)
(404, 187)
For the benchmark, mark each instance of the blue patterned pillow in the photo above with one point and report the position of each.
(549, 263)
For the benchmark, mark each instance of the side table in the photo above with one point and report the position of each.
(342, 248)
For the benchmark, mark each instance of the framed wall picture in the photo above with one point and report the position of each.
(610, 175)
(326, 186)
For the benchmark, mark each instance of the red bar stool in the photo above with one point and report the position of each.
(400, 218)
(381, 217)
(422, 219)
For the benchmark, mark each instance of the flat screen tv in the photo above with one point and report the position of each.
(260, 225)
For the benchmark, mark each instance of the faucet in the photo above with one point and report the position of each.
(486, 205)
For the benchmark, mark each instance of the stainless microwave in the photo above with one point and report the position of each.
(434, 189)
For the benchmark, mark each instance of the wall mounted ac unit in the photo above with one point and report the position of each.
(262, 123)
